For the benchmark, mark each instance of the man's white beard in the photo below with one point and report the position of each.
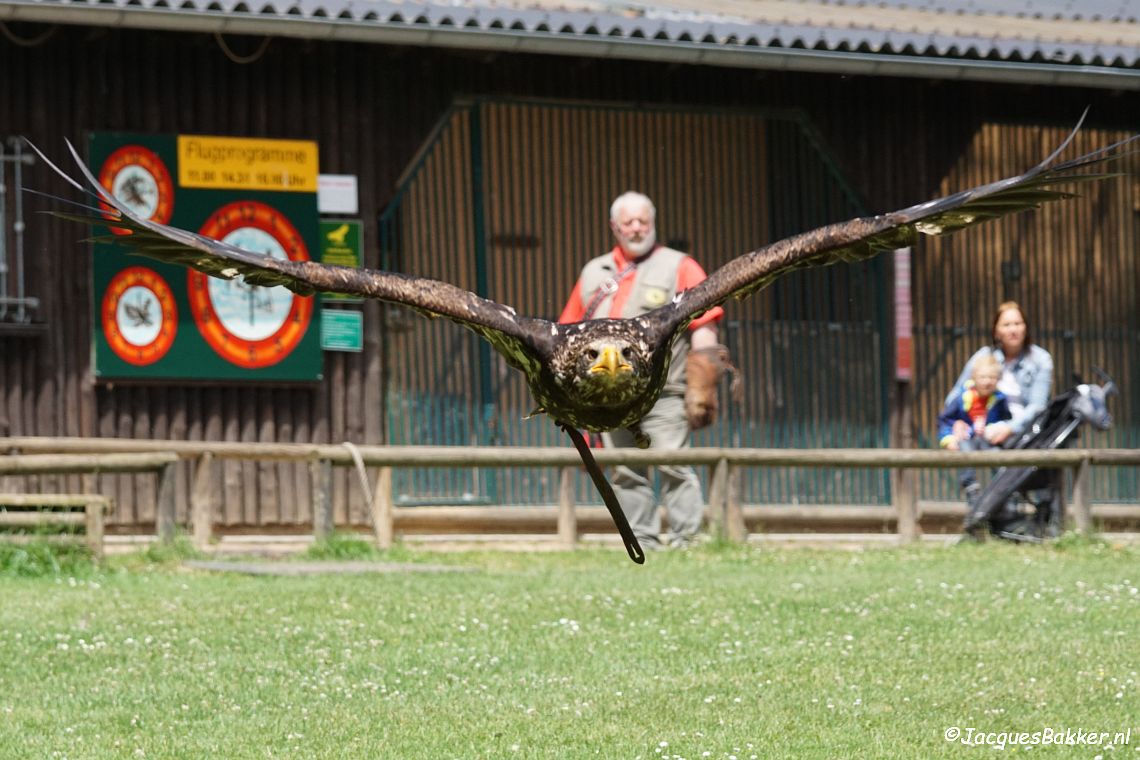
(642, 247)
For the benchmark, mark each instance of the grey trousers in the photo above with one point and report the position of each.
(667, 428)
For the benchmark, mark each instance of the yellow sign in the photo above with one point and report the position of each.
(240, 163)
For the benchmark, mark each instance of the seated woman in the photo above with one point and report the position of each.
(1027, 373)
(1026, 376)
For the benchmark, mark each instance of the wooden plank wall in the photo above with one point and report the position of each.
(370, 108)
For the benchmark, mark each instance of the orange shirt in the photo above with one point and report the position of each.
(979, 408)
(689, 273)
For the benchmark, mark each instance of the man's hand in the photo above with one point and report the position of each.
(703, 370)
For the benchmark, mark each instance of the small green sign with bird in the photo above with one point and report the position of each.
(340, 245)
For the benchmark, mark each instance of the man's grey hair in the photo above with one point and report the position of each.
(630, 197)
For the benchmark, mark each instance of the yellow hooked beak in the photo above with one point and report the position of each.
(610, 362)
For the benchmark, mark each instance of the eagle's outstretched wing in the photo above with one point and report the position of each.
(863, 238)
(523, 341)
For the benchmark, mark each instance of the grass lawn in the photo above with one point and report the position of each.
(717, 652)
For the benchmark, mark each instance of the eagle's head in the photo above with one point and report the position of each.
(605, 371)
(610, 370)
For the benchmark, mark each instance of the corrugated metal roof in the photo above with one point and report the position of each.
(1095, 41)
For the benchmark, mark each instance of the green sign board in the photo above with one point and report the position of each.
(161, 321)
(342, 330)
(340, 245)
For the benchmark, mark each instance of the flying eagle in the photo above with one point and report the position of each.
(602, 374)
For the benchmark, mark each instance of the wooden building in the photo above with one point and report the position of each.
(487, 142)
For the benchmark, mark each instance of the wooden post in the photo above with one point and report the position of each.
(567, 516)
(164, 514)
(1082, 498)
(320, 473)
(735, 529)
(95, 522)
(201, 509)
(94, 519)
(904, 481)
(382, 509)
(905, 487)
(718, 500)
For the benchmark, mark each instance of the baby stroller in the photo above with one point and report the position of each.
(1024, 504)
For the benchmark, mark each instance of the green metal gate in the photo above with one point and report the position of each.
(511, 198)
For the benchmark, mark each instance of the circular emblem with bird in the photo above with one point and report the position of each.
(139, 316)
(138, 178)
(249, 324)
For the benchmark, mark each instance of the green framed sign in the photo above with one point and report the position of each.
(342, 330)
(160, 321)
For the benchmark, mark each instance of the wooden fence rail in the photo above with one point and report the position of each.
(69, 455)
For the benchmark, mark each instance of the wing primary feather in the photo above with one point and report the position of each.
(76, 204)
(67, 177)
(1066, 142)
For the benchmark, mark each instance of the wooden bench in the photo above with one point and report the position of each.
(94, 506)
(36, 510)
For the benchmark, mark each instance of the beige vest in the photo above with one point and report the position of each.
(655, 284)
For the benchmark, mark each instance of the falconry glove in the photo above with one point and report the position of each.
(703, 371)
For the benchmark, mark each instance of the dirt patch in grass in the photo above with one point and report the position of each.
(320, 568)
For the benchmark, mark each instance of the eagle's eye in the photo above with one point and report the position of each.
(627, 353)
(592, 354)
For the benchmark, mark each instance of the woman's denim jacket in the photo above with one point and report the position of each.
(1034, 374)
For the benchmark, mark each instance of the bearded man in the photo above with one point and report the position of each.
(637, 276)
